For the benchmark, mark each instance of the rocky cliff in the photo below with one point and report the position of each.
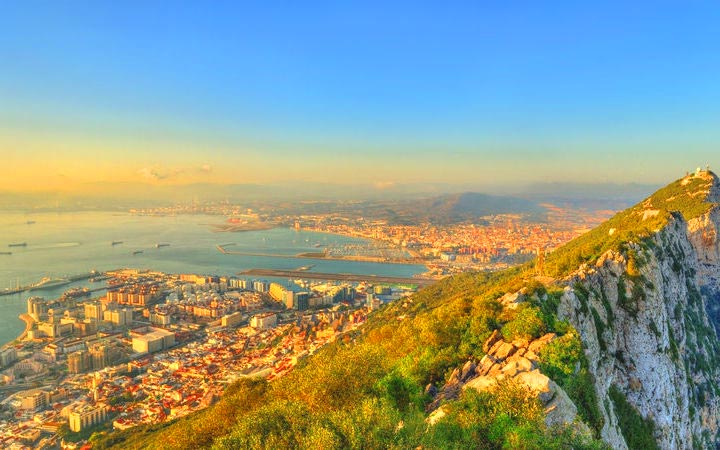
(647, 314)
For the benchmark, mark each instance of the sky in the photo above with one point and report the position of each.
(492, 93)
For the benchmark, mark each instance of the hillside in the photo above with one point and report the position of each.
(619, 349)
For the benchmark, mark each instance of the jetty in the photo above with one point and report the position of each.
(29, 287)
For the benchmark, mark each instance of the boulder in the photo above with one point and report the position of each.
(494, 337)
(537, 382)
(511, 300)
(485, 364)
(504, 351)
(495, 347)
(481, 383)
(468, 371)
(538, 344)
(532, 356)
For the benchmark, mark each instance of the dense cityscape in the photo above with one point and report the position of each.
(159, 346)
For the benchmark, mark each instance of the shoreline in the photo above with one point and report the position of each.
(29, 322)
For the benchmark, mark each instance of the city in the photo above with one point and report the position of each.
(159, 346)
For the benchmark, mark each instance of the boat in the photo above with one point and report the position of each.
(116, 243)
(18, 244)
(76, 292)
(137, 252)
(161, 245)
(30, 222)
(48, 283)
(5, 253)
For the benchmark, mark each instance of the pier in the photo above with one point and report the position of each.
(71, 279)
(337, 277)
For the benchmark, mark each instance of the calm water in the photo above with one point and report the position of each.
(60, 244)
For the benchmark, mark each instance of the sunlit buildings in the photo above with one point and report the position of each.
(86, 416)
(151, 340)
(264, 321)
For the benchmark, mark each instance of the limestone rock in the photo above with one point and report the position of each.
(494, 337)
(504, 351)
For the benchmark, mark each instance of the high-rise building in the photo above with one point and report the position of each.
(94, 311)
(260, 285)
(99, 358)
(86, 416)
(8, 356)
(119, 317)
(79, 362)
(301, 302)
(36, 307)
(32, 399)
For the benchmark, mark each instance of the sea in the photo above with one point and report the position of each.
(61, 244)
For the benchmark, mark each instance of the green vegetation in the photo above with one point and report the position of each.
(638, 432)
(635, 224)
(368, 391)
(563, 360)
(527, 324)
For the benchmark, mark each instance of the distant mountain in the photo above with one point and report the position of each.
(433, 202)
(472, 204)
(615, 341)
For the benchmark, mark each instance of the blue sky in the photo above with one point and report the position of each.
(439, 91)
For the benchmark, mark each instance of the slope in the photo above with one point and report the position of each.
(621, 340)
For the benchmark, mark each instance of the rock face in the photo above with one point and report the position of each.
(649, 316)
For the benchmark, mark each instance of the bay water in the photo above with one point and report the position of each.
(73, 243)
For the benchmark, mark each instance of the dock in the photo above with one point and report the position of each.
(337, 277)
(71, 279)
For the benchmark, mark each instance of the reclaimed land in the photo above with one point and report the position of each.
(337, 276)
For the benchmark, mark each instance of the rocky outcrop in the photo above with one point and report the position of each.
(518, 361)
(649, 328)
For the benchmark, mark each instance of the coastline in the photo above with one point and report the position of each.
(29, 322)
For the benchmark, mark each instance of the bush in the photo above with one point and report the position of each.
(527, 324)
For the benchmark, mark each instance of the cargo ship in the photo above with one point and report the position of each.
(5, 253)
(114, 243)
(161, 245)
(18, 244)
(137, 252)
